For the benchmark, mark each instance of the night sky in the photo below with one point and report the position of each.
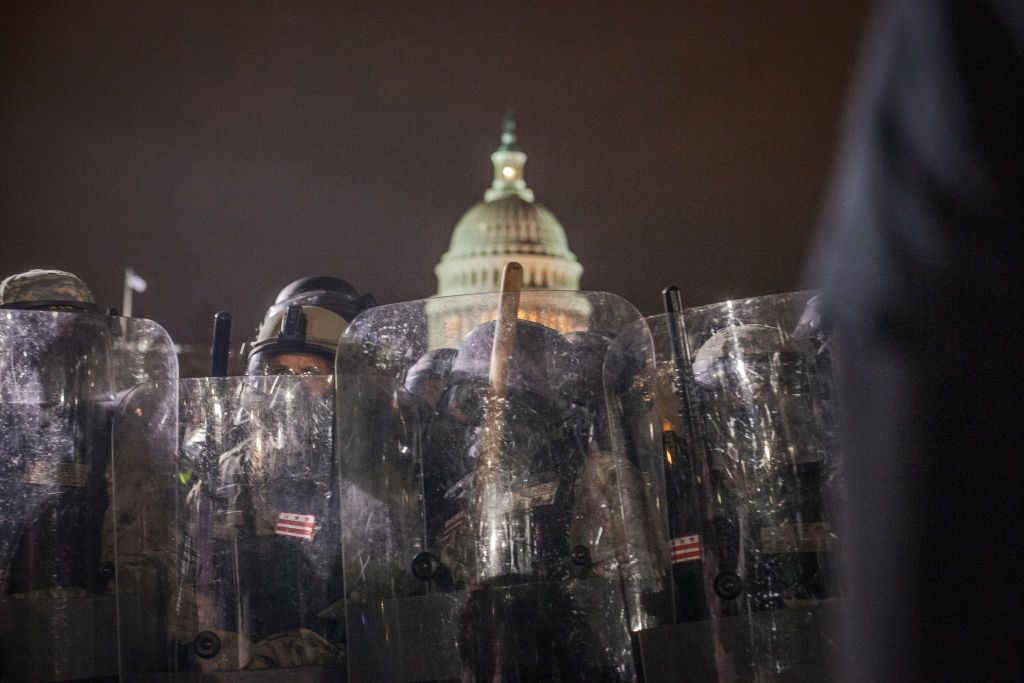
(224, 149)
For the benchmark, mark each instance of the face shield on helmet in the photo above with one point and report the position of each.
(290, 421)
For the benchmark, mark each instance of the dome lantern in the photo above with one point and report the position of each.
(508, 163)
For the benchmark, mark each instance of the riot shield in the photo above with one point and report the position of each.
(61, 376)
(737, 400)
(228, 548)
(490, 530)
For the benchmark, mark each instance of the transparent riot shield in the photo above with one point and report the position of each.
(228, 548)
(490, 529)
(736, 399)
(61, 376)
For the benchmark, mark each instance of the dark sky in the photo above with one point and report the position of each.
(226, 148)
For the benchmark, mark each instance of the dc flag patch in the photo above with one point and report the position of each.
(685, 549)
(452, 525)
(296, 525)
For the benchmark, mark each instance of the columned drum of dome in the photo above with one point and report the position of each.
(507, 226)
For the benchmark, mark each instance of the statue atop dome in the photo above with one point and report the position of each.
(509, 141)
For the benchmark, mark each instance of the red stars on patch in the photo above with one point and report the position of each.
(685, 549)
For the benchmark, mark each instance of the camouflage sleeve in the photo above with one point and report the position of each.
(295, 647)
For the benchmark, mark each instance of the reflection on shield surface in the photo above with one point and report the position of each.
(493, 533)
(61, 377)
(622, 499)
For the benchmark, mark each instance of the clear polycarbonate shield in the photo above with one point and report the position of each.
(736, 400)
(491, 531)
(228, 549)
(61, 376)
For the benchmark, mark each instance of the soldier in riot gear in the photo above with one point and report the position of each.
(524, 617)
(542, 443)
(766, 458)
(273, 491)
(305, 348)
(768, 461)
(629, 545)
(498, 493)
(66, 551)
(64, 369)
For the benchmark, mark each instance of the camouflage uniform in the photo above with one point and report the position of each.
(52, 438)
(62, 375)
(281, 606)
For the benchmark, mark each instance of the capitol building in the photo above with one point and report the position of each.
(508, 225)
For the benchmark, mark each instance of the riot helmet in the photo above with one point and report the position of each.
(754, 382)
(544, 374)
(62, 351)
(54, 290)
(742, 358)
(297, 340)
(299, 334)
(323, 291)
(427, 378)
